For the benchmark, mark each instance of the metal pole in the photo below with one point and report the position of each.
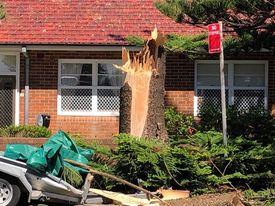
(27, 91)
(27, 83)
(224, 124)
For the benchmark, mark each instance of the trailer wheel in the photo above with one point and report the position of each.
(9, 193)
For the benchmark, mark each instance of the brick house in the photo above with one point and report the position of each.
(56, 58)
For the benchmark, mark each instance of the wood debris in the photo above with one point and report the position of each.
(122, 199)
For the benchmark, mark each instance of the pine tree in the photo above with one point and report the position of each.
(251, 20)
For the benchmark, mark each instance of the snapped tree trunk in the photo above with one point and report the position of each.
(142, 95)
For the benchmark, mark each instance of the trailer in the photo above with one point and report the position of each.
(20, 184)
(31, 174)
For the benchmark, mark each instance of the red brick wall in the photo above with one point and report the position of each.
(179, 83)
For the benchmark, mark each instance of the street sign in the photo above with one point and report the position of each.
(214, 38)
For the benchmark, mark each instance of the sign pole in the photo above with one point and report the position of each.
(215, 38)
(223, 100)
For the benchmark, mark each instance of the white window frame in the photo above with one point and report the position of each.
(94, 87)
(230, 86)
(17, 84)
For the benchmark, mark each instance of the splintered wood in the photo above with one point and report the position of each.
(142, 95)
(122, 199)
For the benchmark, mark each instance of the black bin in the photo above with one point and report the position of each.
(43, 120)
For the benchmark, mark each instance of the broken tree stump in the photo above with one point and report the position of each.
(142, 95)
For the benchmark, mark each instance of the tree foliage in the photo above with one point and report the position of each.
(252, 20)
(192, 159)
(135, 40)
(200, 163)
(191, 45)
(180, 43)
(196, 45)
(254, 123)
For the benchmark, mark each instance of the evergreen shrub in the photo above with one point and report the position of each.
(31, 131)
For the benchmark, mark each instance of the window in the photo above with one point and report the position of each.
(9, 88)
(89, 87)
(245, 84)
(7, 64)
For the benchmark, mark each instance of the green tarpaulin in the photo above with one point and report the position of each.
(50, 157)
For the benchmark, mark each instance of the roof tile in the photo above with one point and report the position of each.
(83, 21)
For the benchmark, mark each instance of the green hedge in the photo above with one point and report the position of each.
(192, 159)
(178, 124)
(25, 131)
(200, 163)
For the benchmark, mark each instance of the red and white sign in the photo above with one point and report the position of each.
(214, 38)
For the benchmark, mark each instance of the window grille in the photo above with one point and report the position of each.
(210, 97)
(246, 84)
(246, 99)
(79, 100)
(6, 107)
(108, 100)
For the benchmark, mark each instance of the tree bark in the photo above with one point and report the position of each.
(125, 109)
(142, 95)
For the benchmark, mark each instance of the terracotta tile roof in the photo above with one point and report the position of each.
(82, 21)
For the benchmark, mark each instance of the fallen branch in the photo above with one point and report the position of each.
(170, 173)
(114, 178)
(222, 173)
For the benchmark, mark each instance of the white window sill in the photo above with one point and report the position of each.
(89, 114)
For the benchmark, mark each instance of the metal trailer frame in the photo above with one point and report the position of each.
(43, 187)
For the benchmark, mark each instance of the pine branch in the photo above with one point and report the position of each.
(71, 176)
(115, 178)
(248, 16)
